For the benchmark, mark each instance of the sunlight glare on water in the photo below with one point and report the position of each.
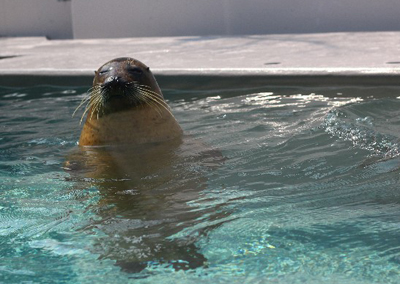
(308, 192)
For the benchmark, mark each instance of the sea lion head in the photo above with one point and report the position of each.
(121, 84)
(125, 106)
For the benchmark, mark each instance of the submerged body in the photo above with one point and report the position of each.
(146, 171)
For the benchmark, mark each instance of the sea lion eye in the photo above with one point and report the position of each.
(136, 71)
(105, 70)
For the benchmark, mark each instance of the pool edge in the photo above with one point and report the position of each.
(212, 80)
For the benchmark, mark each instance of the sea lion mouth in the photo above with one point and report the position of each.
(114, 84)
(117, 95)
(115, 88)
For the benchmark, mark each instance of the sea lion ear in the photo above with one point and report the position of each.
(95, 72)
(148, 68)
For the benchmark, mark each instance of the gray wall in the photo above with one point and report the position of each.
(50, 18)
(133, 18)
(137, 18)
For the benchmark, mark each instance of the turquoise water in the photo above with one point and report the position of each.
(309, 192)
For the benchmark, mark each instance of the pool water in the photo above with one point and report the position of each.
(308, 192)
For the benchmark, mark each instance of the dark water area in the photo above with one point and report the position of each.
(307, 191)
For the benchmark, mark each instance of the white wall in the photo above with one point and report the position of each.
(135, 18)
(50, 18)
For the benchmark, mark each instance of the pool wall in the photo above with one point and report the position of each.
(362, 58)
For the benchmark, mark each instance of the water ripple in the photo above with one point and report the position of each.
(307, 193)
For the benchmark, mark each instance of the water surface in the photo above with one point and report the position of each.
(308, 192)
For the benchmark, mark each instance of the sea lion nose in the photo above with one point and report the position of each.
(112, 81)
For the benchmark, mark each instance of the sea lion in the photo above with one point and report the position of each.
(126, 106)
(147, 173)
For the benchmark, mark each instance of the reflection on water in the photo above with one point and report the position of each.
(306, 191)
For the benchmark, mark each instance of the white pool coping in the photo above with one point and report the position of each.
(370, 58)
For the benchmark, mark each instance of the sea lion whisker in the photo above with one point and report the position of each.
(96, 104)
(145, 94)
(79, 106)
(154, 96)
(146, 89)
(83, 115)
(149, 95)
(92, 94)
(159, 102)
(144, 97)
(90, 105)
(83, 101)
(153, 104)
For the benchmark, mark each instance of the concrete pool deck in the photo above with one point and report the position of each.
(362, 58)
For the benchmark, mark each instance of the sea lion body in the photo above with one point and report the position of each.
(127, 107)
(147, 173)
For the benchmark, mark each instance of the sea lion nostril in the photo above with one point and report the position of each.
(112, 81)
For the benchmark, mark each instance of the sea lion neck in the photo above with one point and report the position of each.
(135, 127)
